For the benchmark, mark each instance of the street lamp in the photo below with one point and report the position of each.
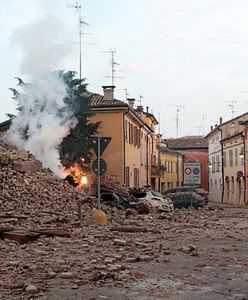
(241, 155)
(210, 165)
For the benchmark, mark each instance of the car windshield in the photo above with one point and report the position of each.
(140, 195)
(156, 194)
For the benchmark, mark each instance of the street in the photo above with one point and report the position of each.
(198, 254)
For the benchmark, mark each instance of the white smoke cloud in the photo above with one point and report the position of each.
(44, 43)
(45, 117)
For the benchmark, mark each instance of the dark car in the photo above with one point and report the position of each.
(116, 200)
(186, 199)
(193, 189)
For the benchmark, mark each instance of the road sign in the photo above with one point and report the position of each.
(104, 141)
(192, 173)
(103, 166)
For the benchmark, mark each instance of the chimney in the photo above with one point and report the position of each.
(147, 109)
(108, 92)
(211, 127)
(139, 108)
(221, 120)
(131, 102)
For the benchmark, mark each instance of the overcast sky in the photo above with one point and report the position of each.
(187, 53)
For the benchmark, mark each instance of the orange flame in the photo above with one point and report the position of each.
(78, 175)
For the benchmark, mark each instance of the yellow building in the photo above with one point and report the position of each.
(171, 169)
(234, 166)
(129, 154)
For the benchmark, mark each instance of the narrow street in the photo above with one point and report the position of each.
(198, 254)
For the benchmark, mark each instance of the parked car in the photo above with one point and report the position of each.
(156, 199)
(116, 200)
(186, 199)
(203, 193)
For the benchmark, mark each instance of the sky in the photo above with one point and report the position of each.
(188, 59)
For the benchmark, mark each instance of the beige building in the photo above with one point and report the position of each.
(130, 153)
(227, 161)
(233, 144)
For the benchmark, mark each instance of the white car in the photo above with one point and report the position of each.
(156, 200)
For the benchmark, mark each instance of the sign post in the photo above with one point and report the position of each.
(98, 172)
(99, 167)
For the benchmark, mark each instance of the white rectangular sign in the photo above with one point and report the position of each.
(192, 173)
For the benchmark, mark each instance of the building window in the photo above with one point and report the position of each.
(236, 157)
(138, 137)
(130, 133)
(224, 159)
(231, 158)
(217, 163)
(242, 159)
(127, 177)
(135, 136)
(213, 164)
(126, 130)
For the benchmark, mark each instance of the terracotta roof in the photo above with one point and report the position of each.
(97, 100)
(187, 143)
(167, 150)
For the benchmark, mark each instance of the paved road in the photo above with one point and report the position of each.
(196, 255)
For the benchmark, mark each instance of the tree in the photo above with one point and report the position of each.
(75, 147)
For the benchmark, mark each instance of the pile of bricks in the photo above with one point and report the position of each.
(33, 192)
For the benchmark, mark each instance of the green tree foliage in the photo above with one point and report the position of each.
(75, 147)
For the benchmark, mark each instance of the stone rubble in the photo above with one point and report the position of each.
(93, 254)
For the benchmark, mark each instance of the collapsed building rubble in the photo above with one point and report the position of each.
(32, 191)
(45, 251)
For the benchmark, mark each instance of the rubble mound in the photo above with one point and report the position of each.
(30, 190)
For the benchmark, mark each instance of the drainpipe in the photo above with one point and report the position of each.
(222, 166)
(244, 138)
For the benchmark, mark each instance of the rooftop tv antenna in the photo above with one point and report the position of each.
(232, 105)
(114, 63)
(81, 22)
(203, 123)
(179, 107)
(199, 129)
(126, 93)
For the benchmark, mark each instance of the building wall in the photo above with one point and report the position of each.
(246, 165)
(135, 176)
(112, 126)
(201, 156)
(215, 167)
(234, 180)
(128, 155)
(171, 165)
